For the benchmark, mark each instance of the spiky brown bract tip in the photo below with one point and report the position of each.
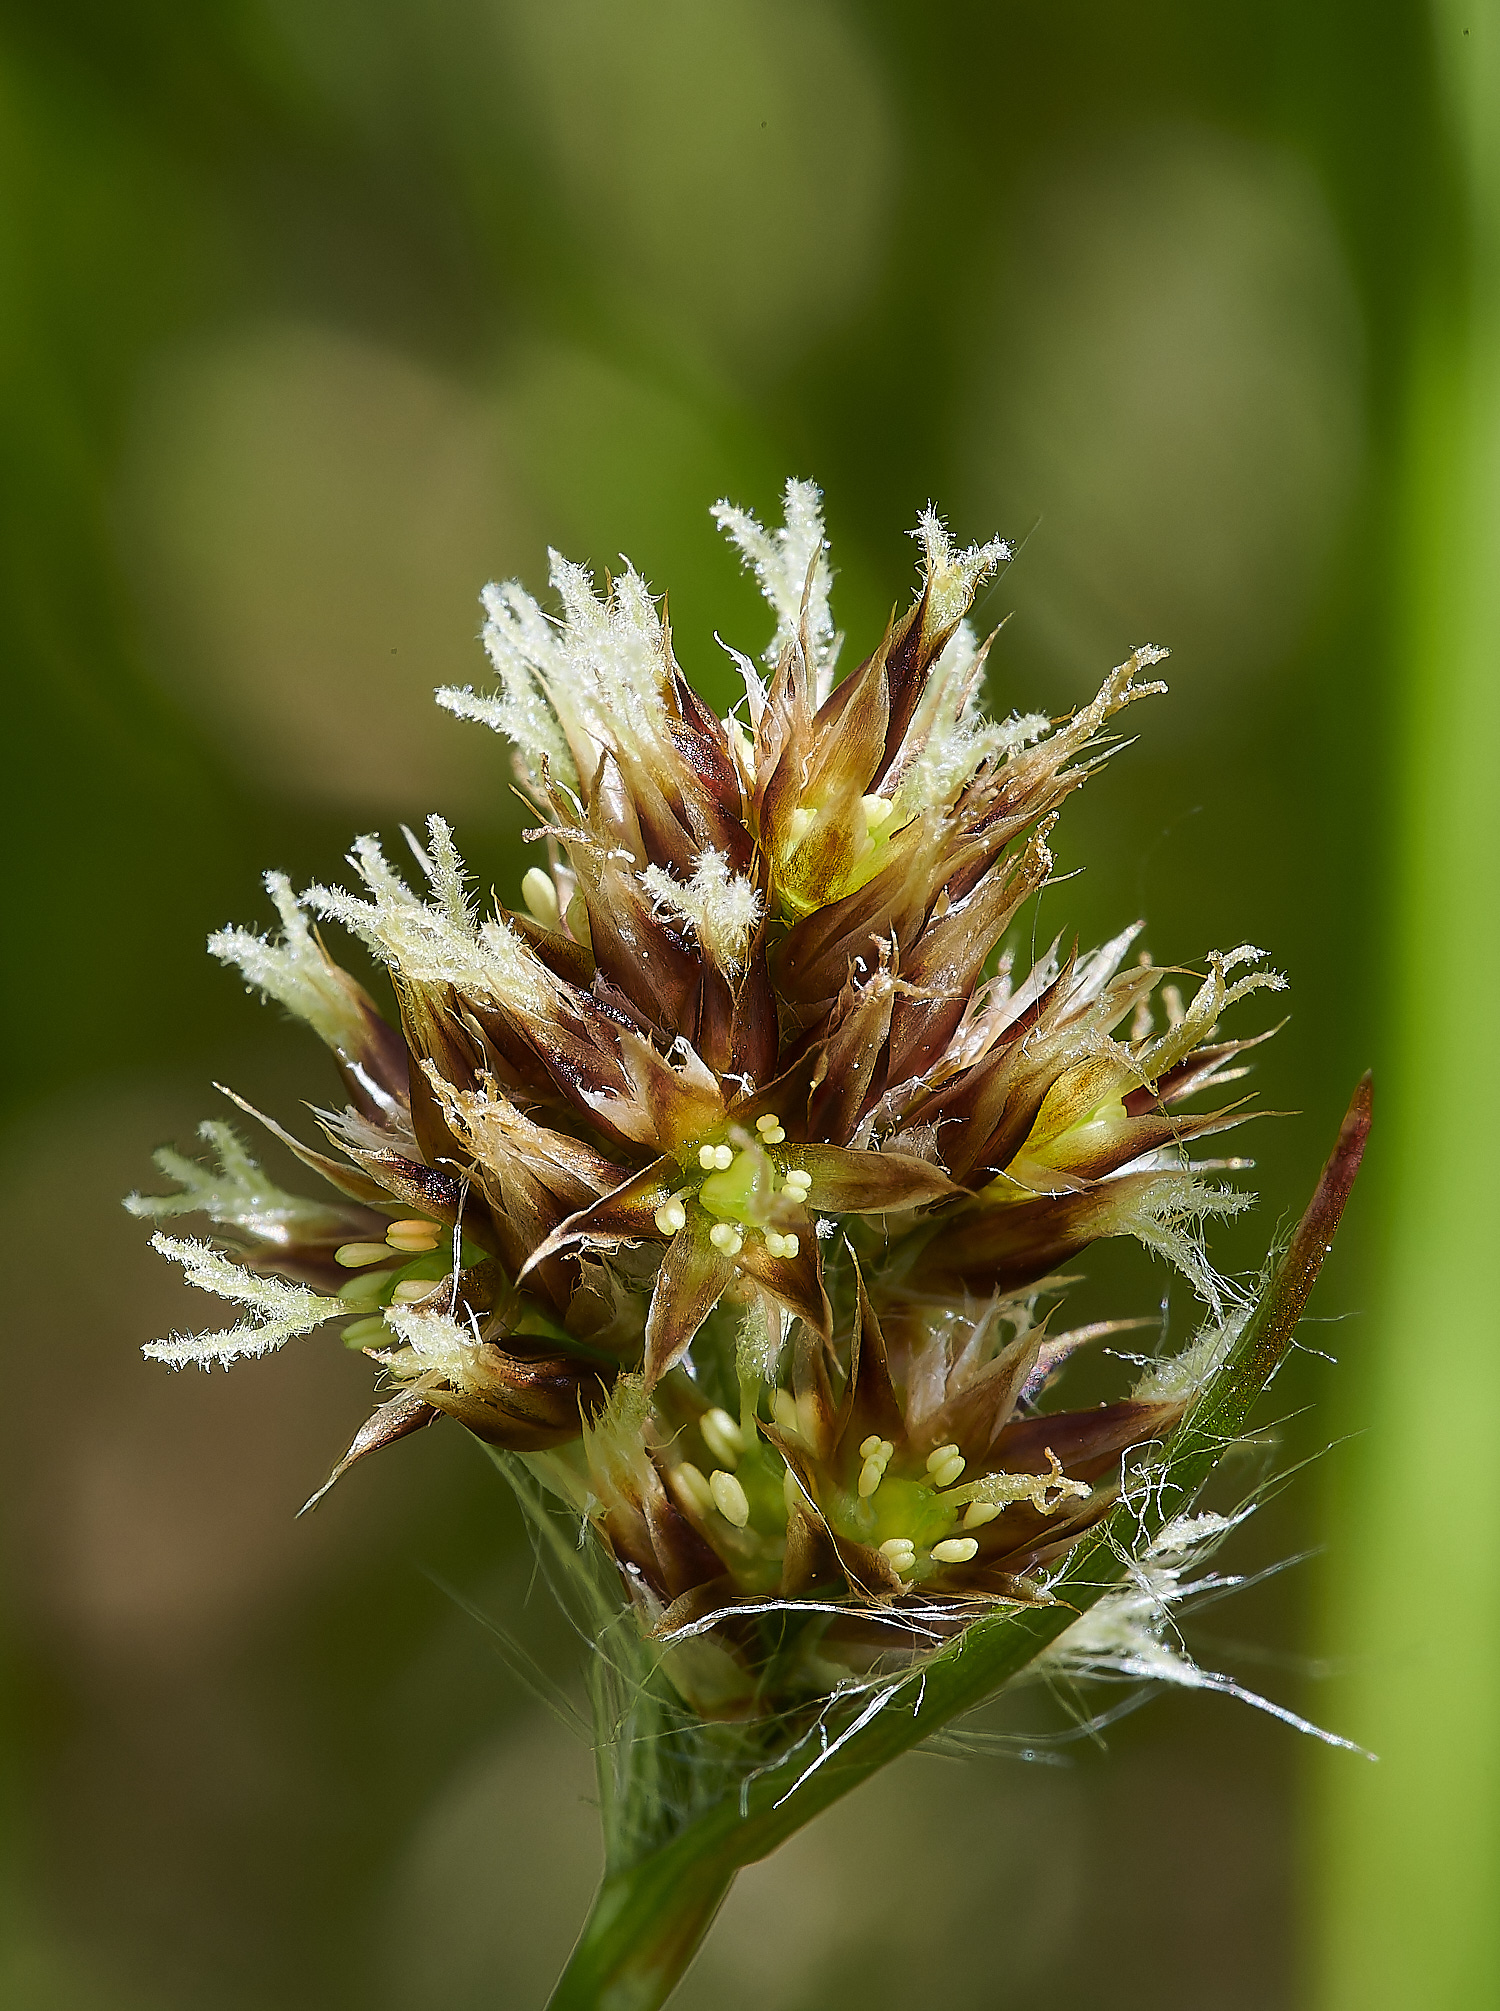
(725, 1174)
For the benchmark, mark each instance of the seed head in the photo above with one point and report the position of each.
(732, 1171)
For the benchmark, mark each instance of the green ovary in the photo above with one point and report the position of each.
(742, 1192)
(897, 1508)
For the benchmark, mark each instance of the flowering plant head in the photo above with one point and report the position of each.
(725, 1180)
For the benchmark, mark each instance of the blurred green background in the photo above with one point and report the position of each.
(313, 317)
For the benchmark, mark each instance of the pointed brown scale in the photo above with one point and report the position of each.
(1075, 1091)
(1201, 1068)
(755, 1032)
(1038, 778)
(857, 688)
(1023, 1541)
(580, 1062)
(512, 1051)
(689, 1607)
(694, 1276)
(527, 1403)
(698, 735)
(685, 1558)
(817, 1414)
(956, 695)
(375, 1070)
(972, 1107)
(948, 956)
(906, 661)
(1086, 1159)
(813, 962)
(673, 832)
(855, 1052)
(788, 1096)
(625, 1215)
(503, 1140)
(479, 1297)
(831, 783)
(783, 744)
(711, 1021)
(974, 1416)
(796, 1281)
(866, 1183)
(1033, 1077)
(430, 1020)
(1088, 1443)
(811, 1560)
(523, 1211)
(870, 1407)
(431, 1189)
(359, 1186)
(914, 648)
(436, 1141)
(634, 949)
(870, 1573)
(662, 1106)
(1006, 1246)
(567, 959)
(397, 1419)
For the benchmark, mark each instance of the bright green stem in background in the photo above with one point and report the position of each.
(649, 1919)
(1411, 1859)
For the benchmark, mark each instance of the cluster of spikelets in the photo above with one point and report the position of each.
(725, 1177)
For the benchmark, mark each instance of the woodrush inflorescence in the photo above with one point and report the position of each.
(723, 1177)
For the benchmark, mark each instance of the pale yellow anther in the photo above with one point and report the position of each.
(775, 1136)
(784, 1410)
(955, 1550)
(978, 1513)
(870, 1475)
(886, 1450)
(900, 1551)
(708, 1157)
(355, 1255)
(414, 1236)
(729, 1497)
(724, 1236)
(767, 1121)
(876, 809)
(949, 1471)
(366, 1333)
(722, 1436)
(870, 1445)
(775, 1244)
(670, 1217)
(539, 892)
(412, 1289)
(690, 1485)
(940, 1457)
(790, 1245)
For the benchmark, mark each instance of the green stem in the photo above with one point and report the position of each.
(650, 1918)
(643, 1930)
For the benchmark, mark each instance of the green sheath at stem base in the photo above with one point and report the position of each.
(648, 1920)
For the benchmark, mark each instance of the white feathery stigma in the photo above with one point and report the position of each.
(294, 969)
(436, 941)
(723, 907)
(279, 1310)
(780, 561)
